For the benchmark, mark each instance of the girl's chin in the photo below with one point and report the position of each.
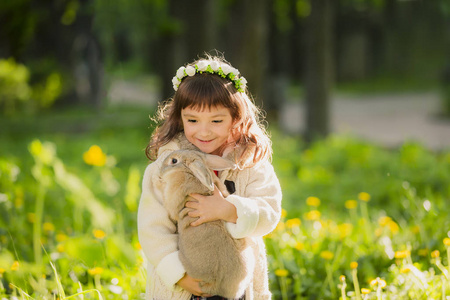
(207, 149)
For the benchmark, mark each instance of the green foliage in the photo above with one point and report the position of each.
(16, 93)
(14, 86)
(400, 197)
(345, 201)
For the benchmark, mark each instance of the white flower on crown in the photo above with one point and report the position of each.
(180, 72)
(202, 65)
(226, 69)
(214, 66)
(190, 70)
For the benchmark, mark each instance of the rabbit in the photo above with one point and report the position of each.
(208, 252)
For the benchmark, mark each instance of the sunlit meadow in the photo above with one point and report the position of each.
(359, 222)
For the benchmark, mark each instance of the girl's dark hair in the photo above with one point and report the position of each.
(203, 91)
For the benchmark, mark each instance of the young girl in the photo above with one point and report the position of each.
(212, 111)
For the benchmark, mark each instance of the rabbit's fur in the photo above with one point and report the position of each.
(208, 252)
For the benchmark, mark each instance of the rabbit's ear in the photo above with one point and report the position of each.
(219, 163)
(202, 173)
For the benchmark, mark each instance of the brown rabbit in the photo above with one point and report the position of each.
(208, 252)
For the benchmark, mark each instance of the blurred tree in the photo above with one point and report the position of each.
(54, 37)
(195, 34)
(276, 83)
(246, 42)
(319, 68)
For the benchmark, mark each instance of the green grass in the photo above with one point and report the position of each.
(67, 227)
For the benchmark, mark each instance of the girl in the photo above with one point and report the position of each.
(211, 111)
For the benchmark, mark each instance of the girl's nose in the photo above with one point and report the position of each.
(205, 130)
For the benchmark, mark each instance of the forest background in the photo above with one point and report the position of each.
(79, 79)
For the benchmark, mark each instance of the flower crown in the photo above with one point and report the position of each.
(212, 67)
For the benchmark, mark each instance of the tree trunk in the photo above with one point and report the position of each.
(319, 68)
(201, 27)
(279, 54)
(247, 42)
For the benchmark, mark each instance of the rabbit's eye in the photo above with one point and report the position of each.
(174, 161)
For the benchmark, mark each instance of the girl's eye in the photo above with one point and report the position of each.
(191, 121)
(217, 121)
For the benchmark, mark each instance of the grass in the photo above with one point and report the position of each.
(359, 221)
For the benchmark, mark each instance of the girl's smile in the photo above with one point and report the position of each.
(208, 129)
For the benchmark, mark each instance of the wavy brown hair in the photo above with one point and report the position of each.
(204, 90)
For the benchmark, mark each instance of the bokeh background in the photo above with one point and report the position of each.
(357, 99)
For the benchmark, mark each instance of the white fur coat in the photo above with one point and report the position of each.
(258, 203)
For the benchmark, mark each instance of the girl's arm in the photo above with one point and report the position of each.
(157, 233)
(259, 207)
(255, 212)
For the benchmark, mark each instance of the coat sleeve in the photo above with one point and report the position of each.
(259, 208)
(157, 233)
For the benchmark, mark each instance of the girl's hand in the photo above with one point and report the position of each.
(191, 285)
(211, 208)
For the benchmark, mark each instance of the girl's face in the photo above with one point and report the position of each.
(208, 129)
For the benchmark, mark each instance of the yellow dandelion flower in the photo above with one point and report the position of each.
(393, 227)
(327, 255)
(268, 236)
(48, 227)
(415, 229)
(18, 202)
(378, 231)
(2, 271)
(423, 252)
(402, 254)
(291, 223)
(15, 266)
(94, 156)
(342, 278)
(31, 217)
(312, 215)
(446, 241)
(351, 204)
(99, 234)
(345, 230)
(365, 291)
(281, 272)
(60, 248)
(95, 271)
(137, 246)
(378, 282)
(384, 221)
(280, 226)
(435, 254)
(405, 270)
(313, 201)
(283, 213)
(61, 237)
(363, 196)
(299, 246)
(353, 265)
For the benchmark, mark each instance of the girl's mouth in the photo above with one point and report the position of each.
(204, 141)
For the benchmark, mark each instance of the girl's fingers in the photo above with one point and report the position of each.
(197, 222)
(191, 204)
(197, 196)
